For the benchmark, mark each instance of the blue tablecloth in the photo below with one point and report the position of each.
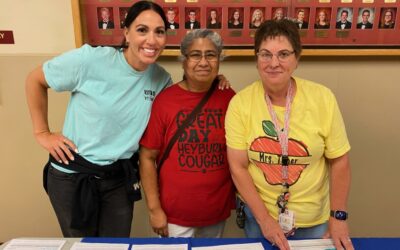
(359, 243)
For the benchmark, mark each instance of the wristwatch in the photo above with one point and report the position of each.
(339, 215)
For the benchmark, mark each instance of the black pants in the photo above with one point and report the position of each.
(115, 209)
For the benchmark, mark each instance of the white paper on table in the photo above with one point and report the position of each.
(247, 246)
(22, 244)
(160, 247)
(317, 244)
(95, 246)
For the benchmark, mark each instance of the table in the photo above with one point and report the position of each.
(359, 243)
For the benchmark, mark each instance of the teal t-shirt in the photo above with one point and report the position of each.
(110, 102)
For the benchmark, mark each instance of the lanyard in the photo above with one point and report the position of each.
(283, 134)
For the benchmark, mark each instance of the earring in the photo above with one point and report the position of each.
(127, 43)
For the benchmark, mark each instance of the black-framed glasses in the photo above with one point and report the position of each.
(282, 55)
(196, 56)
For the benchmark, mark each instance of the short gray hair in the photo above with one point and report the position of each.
(189, 38)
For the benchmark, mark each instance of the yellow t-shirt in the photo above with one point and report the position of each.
(316, 132)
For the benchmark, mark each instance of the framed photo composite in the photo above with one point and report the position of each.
(327, 27)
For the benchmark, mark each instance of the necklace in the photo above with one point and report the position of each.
(283, 134)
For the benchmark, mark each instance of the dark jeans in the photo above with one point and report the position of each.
(115, 209)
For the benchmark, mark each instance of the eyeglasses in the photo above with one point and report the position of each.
(282, 55)
(195, 56)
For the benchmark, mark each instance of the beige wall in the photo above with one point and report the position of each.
(39, 26)
(366, 88)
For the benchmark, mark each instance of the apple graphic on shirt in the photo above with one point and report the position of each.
(269, 145)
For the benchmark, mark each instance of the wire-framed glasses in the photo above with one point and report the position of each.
(282, 55)
(196, 56)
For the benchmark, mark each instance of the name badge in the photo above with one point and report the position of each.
(287, 220)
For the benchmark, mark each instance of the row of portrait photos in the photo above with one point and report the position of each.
(323, 18)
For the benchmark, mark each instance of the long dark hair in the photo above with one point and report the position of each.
(136, 9)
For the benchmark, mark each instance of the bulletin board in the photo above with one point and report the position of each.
(328, 27)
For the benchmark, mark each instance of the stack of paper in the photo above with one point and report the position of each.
(21, 244)
(318, 244)
(160, 247)
(247, 246)
(95, 246)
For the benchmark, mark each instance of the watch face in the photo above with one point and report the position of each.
(341, 215)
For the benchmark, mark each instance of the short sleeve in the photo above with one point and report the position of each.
(235, 125)
(153, 135)
(62, 72)
(336, 142)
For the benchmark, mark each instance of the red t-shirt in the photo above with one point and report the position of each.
(195, 184)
